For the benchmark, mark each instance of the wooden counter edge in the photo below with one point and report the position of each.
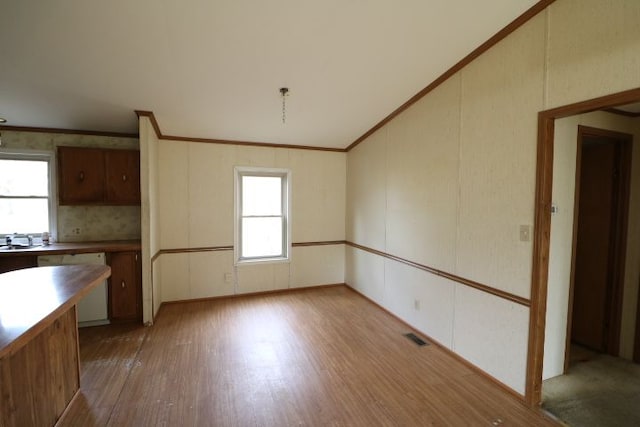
(73, 248)
(103, 272)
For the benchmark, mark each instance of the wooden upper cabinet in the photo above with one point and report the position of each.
(96, 176)
(81, 175)
(123, 176)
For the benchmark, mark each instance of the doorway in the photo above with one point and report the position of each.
(600, 236)
(542, 227)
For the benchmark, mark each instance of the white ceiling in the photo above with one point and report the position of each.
(213, 68)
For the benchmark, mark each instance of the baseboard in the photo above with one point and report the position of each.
(248, 294)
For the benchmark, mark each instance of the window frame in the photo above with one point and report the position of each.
(49, 157)
(285, 175)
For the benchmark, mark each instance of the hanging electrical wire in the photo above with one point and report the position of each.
(284, 92)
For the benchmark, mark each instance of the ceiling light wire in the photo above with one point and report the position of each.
(284, 92)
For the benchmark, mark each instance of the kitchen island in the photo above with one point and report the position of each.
(39, 359)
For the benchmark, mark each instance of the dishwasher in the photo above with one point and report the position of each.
(92, 309)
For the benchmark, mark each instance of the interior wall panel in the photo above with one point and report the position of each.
(208, 274)
(262, 277)
(366, 274)
(593, 49)
(501, 95)
(317, 265)
(420, 299)
(210, 194)
(422, 179)
(366, 194)
(174, 277)
(319, 195)
(173, 183)
(149, 219)
(492, 334)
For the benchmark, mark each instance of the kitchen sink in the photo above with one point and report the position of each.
(17, 246)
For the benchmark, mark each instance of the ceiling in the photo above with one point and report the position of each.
(213, 68)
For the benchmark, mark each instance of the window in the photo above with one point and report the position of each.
(26, 188)
(262, 208)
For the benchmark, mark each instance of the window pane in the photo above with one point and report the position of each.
(24, 216)
(261, 237)
(261, 195)
(24, 178)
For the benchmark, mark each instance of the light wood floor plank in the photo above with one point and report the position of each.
(320, 357)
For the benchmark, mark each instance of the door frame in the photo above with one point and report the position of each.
(619, 235)
(542, 228)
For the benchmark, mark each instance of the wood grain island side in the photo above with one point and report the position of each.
(39, 362)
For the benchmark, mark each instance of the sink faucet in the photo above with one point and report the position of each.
(16, 239)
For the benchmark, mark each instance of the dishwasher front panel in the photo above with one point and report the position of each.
(92, 309)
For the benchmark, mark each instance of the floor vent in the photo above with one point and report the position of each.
(416, 339)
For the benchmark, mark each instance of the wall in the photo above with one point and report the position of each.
(94, 222)
(149, 212)
(564, 179)
(195, 209)
(449, 182)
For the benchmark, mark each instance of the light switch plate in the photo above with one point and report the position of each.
(525, 233)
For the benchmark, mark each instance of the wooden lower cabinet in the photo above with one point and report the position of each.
(17, 262)
(125, 287)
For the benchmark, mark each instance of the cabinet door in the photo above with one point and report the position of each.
(11, 263)
(81, 175)
(123, 176)
(125, 286)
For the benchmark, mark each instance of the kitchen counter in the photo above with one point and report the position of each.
(75, 248)
(31, 298)
(39, 359)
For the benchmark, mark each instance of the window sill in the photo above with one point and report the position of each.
(258, 261)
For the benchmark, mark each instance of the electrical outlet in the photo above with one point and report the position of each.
(76, 231)
(227, 277)
(416, 304)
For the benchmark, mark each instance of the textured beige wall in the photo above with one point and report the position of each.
(196, 209)
(430, 300)
(149, 213)
(366, 195)
(500, 93)
(94, 222)
(592, 49)
(573, 51)
(565, 148)
(421, 175)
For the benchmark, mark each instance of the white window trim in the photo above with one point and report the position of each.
(239, 171)
(49, 156)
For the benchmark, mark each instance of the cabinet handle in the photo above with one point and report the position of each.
(123, 284)
(124, 178)
(81, 176)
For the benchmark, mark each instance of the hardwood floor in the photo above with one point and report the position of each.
(316, 357)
